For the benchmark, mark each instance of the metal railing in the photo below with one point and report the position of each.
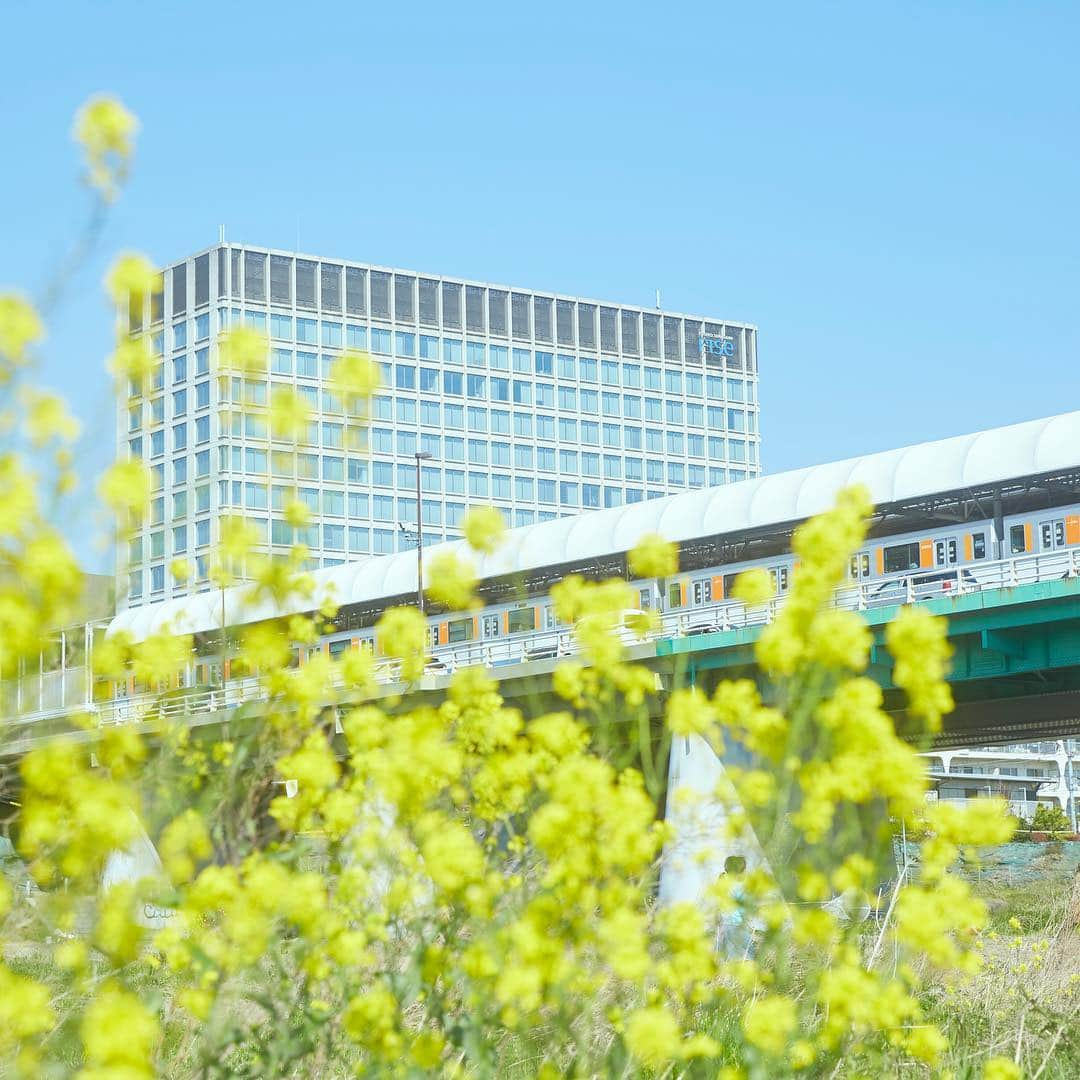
(554, 643)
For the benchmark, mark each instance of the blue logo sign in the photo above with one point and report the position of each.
(717, 346)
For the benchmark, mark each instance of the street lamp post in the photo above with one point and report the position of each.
(420, 455)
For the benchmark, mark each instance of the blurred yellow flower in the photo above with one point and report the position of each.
(654, 557)
(106, 132)
(131, 278)
(243, 350)
(484, 528)
(753, 587)
(451, 580)
(20, 327)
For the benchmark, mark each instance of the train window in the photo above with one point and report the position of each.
(978, 545)
(367, 645)
(859, 567)
(522, 619)
(1052, 534)
(779, 575)
(433, 636)
(945, 552)
(491, 626)
(729, 583)
(1017, 544)
(459, 630)
(337, 648)
(674, 596)
(550, 622)
(901, 557)
(702, 591)
(644, 600)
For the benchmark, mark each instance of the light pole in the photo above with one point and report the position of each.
(420, 455)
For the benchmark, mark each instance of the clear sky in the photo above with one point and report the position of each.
(888, 190)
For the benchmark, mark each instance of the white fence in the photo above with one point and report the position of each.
(533, 645)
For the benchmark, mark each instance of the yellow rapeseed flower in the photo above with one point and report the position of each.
(653, 1036)
(244, 351)
(769, 1021)
(451, 580)
(131, 278)
(354, 377)
(125, 488)
(484, 527)
(753, 587)
(106, 132)
(654, 557)
(20, 327)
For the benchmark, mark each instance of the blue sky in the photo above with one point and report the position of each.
(889, 191)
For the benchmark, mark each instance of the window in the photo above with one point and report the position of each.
(568, 430)
(202, 429)
(567, 367)
(978, 545)
(452, 382)
(545, 491)
(590, 496)
(652, 378)
(524, 489)
(901, 557)
(334, 537)
(477, 386)
(454, 416)
(568, 494)
(179, 368)
(380, 340)
(429, 413)
(1017, 540)
(478, 483)
(590, 401)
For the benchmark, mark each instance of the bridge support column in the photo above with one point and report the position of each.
(701, 850)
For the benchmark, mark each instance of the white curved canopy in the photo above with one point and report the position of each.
(966, 461)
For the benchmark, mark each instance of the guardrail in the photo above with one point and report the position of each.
(532, 645)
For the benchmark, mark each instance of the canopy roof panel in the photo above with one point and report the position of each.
(926, 469)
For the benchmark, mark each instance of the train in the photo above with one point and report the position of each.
(891, 569)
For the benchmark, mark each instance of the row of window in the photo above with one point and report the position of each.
(409, 298)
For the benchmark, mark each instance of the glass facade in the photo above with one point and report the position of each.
(539, 404)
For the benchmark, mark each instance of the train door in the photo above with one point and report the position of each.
(1052, 534)
(946, 551)
(701, 592)
(859, 566)
(550, 622)
(490, 626)
(779, 575)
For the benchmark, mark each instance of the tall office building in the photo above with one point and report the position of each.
(538, 403)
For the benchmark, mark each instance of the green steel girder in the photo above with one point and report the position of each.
(1031, 627)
